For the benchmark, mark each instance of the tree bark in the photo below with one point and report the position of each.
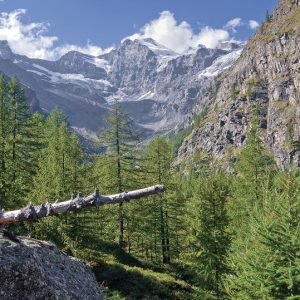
(35, 212)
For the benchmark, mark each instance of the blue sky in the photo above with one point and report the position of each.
(95, 25)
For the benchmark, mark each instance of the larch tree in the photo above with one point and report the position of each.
(58, 176)
(208, 230)
(269, 266)
(3, 141)
(121, 142)
(161, 215)
(19, 144)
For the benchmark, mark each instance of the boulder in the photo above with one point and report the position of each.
(33, 269)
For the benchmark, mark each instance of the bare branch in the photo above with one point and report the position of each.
(35, 212)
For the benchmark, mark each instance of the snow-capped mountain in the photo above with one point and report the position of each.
(156, 86)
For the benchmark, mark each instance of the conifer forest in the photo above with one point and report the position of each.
(150, 150)
(218, 232)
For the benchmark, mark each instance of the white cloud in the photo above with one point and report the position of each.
(88, 49)
(179, 37)
(32, 39)
(210, 37)
(253, 24)
(233, 24)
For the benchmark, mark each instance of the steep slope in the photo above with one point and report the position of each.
(156, 86)
(265, 79)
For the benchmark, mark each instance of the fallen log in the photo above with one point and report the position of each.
(35, 212)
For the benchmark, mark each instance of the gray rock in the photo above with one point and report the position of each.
(266, 77)
(33, 269)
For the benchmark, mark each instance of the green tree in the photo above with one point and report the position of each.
(120, 160)
(208, 230)
(255, 169)
(19, 144)
(255, 166)
(158, 218)
(58, 177)
(268, 268)
(3, 140)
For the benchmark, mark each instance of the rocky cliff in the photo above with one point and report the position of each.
(265, 81)
(32, 269)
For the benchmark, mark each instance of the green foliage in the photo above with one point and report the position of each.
(268, 267)
(215, 89)
(208, 235)
(19, 144)
(121, 162)
(234, 91)
(160, 233)
(58, 176)
(254, 167)
(58, 173)
(200, 117)
(211, 235)
(268, 16)
(177, 140)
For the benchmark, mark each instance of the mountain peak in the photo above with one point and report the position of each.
(150, 41)
(74, 55)
(157, 48)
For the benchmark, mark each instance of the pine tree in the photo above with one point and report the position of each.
(268, 268)
(3, 141)
(120, 159)
(58, 177)
(268, 16)
(160, 226)
(255, 165)
(18, 144)
(209, 237)
(255, 169)
(281, 237)
(253, 182)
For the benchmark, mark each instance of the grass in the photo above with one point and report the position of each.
(291, 24)
(280, 104)
(123, 276)
(132, 282)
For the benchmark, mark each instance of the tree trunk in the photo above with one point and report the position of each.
(36, 212)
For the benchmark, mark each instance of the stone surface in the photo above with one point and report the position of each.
(33, 269)
(265, 79)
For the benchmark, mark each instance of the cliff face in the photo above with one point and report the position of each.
(265, 79)
(32, 269)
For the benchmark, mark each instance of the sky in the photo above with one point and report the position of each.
(48, 29)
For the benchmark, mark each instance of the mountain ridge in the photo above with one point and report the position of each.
(142, 75)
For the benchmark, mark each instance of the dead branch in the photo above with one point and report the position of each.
(35, 212)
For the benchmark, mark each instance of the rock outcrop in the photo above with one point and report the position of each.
(32, 269)
(265, 81)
